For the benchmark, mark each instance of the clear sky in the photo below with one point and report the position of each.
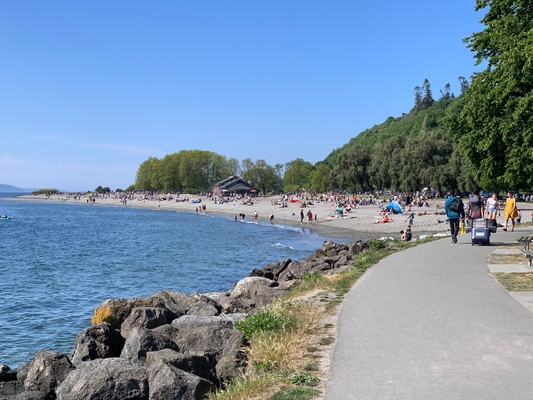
(89, 90)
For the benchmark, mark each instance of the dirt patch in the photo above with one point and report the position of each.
(506, 259)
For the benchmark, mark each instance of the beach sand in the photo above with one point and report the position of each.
(359, 223)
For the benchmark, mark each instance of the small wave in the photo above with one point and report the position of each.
(282, 245)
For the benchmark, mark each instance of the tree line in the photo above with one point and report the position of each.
(406, 162)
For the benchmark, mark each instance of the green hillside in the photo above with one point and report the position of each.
(413, 123)
(407, 153)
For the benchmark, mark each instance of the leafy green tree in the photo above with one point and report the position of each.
(353, 168)
(265, 177)
(196, 170)
(233, 166)
(171, 171)
(297, 175)
(495, 126)
(321, 178)
(246, 168)
(145, 173)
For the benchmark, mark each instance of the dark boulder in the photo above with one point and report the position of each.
(97, 341)
(204, 335)
(271, 271)
(168, 382)
(142, 340)
(146, 317)
(6, 374)
(198, 364)
(204, 309)
(10, 389)
(34, 395)
(233, 359)
(105, 379)
(46, 371)
(176, 303)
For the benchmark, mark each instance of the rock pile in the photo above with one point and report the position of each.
(166, 346)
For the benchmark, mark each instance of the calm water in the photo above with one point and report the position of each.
(59, 261)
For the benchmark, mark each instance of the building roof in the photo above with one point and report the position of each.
(234, 184)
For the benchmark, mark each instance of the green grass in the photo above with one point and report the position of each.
(326, 341)
(295, 393)
(263, 321)
(304, 379)
(516, 282)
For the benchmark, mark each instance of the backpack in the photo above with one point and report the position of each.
(456, 205)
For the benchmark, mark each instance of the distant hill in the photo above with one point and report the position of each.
(13, 189)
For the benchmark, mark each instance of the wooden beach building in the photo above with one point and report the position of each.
(232, 186)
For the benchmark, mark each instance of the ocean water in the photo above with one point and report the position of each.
(59, 261)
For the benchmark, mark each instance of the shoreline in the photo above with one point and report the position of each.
(359, 224)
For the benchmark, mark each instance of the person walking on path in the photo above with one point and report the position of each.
(493, 207)
(455, 210)
(510, 212)
(475, 208)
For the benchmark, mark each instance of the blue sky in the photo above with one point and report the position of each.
(89, 90)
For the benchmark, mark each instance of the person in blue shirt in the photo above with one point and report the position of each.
(455, 211)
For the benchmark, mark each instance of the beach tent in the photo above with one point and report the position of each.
(394, 206)
(294, 199)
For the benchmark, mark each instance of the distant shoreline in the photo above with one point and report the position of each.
(357, 224)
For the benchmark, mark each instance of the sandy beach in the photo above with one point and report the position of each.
(358, 223)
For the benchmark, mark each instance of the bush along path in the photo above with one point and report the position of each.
(265, 339)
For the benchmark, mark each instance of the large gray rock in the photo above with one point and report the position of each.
(233, 359)
(146, 317)
(202, 365)
(233, 305)
(168, 382)
(329, 258)
(9, 390)
(273, 270)
(33, 395)
(142, 340)
(204, 335)
(176, 303)
(105, 379)
(97, 341)
(46, 371)
(203, 309)
(254, 292)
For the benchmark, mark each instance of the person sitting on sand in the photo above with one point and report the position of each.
(385, 219)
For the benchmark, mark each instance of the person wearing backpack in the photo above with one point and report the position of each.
(455, 211)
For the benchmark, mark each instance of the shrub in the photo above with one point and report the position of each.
(377, 244)
(262, 321)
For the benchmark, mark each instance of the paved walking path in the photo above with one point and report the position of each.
(432, 323)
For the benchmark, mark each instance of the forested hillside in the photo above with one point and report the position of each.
(407, 153)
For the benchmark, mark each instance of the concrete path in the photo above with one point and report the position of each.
(430, 323)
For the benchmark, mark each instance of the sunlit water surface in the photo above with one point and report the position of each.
(59, 261)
